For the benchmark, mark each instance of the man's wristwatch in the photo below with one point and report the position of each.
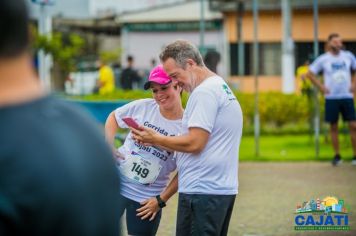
(161, 203)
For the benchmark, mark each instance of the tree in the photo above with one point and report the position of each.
(65, 49)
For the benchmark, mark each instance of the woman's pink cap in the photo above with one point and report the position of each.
(158, 76)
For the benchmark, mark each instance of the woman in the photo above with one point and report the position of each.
(145, 169)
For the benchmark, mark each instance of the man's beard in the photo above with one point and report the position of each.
(335, 49)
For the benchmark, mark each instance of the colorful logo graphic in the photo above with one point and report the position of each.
(329, 213)
(227, 89)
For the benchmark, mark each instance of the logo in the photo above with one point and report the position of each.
(227, 89)
(329, 213)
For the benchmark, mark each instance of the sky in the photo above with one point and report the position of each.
(81, 9)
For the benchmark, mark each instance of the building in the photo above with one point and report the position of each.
(334, 16)
(85, 9)
(145, 32)
(313, 205)
(93, 19)
(337, 207)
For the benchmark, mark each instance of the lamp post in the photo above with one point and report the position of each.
(44, 28)
(287, 49)
(256, 72)
(316, 100)
(202, 27)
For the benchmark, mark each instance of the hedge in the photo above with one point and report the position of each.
(278, 112)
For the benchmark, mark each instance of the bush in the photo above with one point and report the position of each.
(119, 94)
(279, 113)
(275, 108)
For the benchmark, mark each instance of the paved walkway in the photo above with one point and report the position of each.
(269, 192)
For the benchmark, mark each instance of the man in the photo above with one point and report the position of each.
(338, 89)
(57, 175)
(209, 144)
(129, 75)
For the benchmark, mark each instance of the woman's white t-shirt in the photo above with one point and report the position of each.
(145, 170)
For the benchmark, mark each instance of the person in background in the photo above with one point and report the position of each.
(153, 63)
(106, 82)
(211, 60)
(304, 86)
(338, 67)
(57, 174)
(129, 75)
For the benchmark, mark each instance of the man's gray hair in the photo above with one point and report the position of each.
(180, 51)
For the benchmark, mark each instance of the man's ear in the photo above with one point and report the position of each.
(191, 62)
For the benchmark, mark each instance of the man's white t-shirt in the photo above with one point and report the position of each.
(337, 73)
(213, 107)
(145, 171)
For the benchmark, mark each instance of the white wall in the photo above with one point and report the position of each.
(145, 46)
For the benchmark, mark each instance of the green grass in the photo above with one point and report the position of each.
(289, 148)
(292, 148)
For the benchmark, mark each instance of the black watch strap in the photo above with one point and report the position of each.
(161, 203)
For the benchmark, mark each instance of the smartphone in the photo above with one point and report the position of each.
(131, 123)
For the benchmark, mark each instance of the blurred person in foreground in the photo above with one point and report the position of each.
(145, 170)
(57, 175)
(338, 67)
(208, 147)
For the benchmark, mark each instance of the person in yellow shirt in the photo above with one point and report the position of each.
(304, 85)
(106, 82)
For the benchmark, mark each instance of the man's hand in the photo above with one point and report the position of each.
(145, 136)
(352, 88)
(304, 77)
(324, 90)
(149, 208)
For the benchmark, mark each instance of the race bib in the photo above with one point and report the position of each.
(142, 170)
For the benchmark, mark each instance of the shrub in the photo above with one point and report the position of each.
(279, 113)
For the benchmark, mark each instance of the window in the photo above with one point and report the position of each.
(305, 52)
(269, 58)
(350, 46)
(234, 58)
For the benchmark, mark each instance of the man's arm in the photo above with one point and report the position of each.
(171, 189)
(317, 82)
(150, 206)
(353, 82)
(193, 142)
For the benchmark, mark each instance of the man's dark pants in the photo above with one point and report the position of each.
(202, 214)
(333, 107)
